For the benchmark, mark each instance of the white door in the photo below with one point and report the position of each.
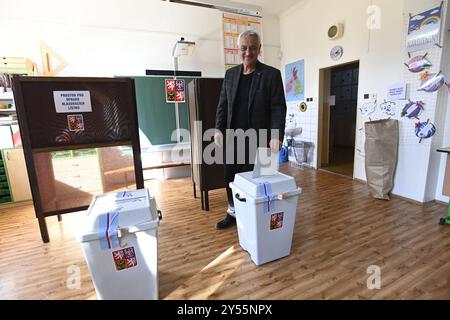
(17, 174)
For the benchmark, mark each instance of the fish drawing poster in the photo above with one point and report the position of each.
(175, 91)
(295, 81)
(424, 30)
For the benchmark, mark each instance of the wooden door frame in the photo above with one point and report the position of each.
(323, 145)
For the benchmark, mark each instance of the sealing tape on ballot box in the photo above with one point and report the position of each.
(108, 228)
(265, 190)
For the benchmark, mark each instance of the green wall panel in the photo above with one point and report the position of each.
(157, 118)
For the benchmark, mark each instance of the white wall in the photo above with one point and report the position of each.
(112, 37)
(382, 54)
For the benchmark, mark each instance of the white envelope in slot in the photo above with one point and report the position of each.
(266, 163)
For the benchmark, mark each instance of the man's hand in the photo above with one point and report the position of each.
(275, 145)
(218, 138)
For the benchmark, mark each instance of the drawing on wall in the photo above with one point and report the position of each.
(295, 81)
(425, 130)
(418, 64)
(368, 108)
(424, 30)
(389, 108)
(431, 82)
(412, 110)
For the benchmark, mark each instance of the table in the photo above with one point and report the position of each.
(446, 189)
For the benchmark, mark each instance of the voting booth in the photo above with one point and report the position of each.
(76, 132)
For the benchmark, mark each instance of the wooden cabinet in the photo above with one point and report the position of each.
(5, 192)
(14, 177)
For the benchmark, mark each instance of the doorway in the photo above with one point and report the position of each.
(339, 102)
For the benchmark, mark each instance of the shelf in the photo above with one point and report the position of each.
(6, 101)
(7, 95)
(9, 111)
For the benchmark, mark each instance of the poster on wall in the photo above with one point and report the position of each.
(295, 81)
(397, 92)
(175, 91)
(424, 30)
(233, 26)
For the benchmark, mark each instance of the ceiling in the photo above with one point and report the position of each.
(269, 7)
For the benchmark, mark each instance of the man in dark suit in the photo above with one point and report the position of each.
(252, 98)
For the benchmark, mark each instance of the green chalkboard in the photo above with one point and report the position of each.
(156, 118)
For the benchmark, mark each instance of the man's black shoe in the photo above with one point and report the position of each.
(227, 222)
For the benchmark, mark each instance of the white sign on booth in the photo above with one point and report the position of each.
(72, 101)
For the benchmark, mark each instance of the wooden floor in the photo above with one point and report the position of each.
(340, 231)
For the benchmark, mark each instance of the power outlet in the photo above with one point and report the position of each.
(373, 96)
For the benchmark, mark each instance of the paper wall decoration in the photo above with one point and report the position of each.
(412, 110)
(424, 30)
(368, 108)
(431, 82)
(418, 63)
(175, 91)
(425, 130)
(388, 108)
(295, 81)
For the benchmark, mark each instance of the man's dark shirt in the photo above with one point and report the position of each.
(240, 115)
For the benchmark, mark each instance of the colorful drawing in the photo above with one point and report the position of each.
(431, 82)
(75, 122)
(412, 110)
(418, 64)
(425, 130)
(124, 258)
(276, 221)
(175, 91)
(368, 108)
(388, 108)
(295, 81)
(424, 30)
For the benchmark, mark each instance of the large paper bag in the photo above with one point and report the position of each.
(381, 150)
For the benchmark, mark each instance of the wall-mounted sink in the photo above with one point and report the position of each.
(293, 132)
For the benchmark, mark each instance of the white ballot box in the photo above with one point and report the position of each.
(266, 208)
(119, 237)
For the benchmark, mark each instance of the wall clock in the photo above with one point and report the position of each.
(336, 53)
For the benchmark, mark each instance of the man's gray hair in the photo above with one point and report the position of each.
(250, 33)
